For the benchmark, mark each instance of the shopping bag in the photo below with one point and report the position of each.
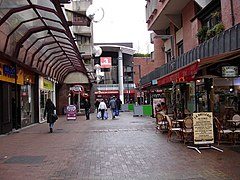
(116, 112)
(99, 115)
(105, 115)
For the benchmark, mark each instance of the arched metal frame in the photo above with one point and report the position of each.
(40, 40)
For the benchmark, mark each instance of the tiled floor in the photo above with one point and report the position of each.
(123, 148)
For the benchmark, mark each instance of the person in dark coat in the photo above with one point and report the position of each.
(112, 105)
(49, 111)
(119, 103)
(87, 106)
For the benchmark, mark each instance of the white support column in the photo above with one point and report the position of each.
(120, 75)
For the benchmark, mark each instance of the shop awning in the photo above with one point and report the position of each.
(182, 73)
(36, 35)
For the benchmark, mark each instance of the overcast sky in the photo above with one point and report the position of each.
(124, 21)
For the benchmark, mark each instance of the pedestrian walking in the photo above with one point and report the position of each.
(118, 108)
(102, 107)
(49, 111)
(113, 106)
(87, 107)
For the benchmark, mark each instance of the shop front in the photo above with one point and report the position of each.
(27, 96)
(129, 95)
(10, 117)
(46, 91)
(218, 90)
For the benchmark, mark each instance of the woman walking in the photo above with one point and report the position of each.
(49, 111)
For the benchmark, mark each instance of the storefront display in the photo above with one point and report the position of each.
(46, 91)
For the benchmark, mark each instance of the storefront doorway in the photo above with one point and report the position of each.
(44, 95)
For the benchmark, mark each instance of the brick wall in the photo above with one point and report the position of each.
(226, 12)
(147, 65)
(189, 29)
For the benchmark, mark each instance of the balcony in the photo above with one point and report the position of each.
(151, 8)
(81, 6)
(83, 30)
(86, 48)
(166, 11)
(217, 48)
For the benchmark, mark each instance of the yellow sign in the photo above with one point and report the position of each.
(203, 128)
(7, 74)
(45, 84)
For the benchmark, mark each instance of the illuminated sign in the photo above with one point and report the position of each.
(106, 62)
(7, 73)
(229, 71)
(77, 89)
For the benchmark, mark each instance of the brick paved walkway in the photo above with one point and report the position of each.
(125, 148)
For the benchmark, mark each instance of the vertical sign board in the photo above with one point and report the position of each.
(203, 128)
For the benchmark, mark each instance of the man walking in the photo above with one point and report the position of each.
(113, 106)
(102, 107)
(87, 106)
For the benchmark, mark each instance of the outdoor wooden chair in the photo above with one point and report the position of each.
(187, 131)
(236, 136)
(161, 123)
(172, 129)
(222, 133)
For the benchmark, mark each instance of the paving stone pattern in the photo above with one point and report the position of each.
(124, 148)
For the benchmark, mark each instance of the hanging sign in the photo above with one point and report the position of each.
(203, 128)
(229, 71)
(106, 62)
(77, 89)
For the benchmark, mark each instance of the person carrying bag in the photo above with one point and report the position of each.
(51, 116)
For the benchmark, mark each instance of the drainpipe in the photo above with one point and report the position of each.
(232, 13)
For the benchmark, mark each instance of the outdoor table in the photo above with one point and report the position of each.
(234, 121)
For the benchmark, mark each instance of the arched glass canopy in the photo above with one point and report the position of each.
(35, 34)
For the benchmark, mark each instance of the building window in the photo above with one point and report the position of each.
(180, 48)
(212, 19)
(169, 55)
(168, 31)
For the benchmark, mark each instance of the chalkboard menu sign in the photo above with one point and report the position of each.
(203, 128)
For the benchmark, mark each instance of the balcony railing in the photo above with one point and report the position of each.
(82, 30)
(225, 42)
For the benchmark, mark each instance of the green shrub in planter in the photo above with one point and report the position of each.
(219, 28)
(202, 33)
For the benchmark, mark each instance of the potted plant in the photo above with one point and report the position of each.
(202, 34)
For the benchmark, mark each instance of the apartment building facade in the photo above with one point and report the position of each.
(197, 45)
